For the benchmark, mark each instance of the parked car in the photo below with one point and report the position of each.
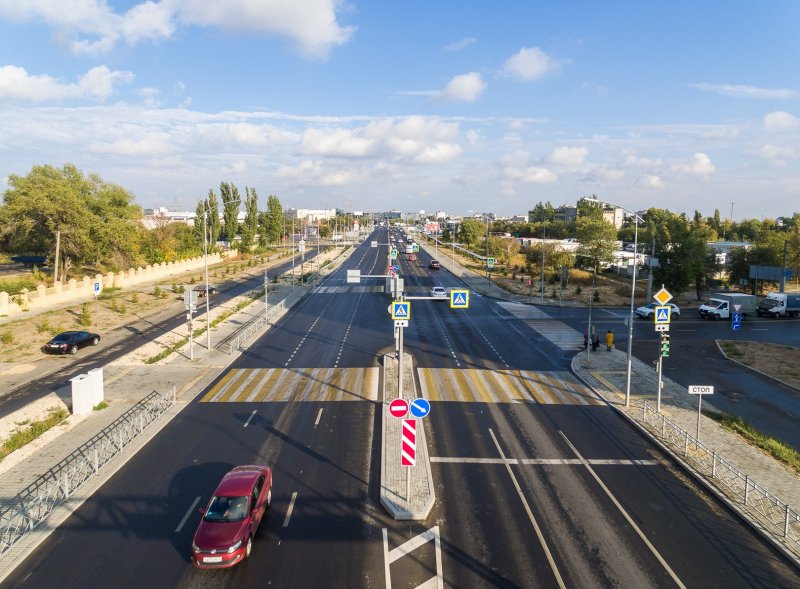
(440, 292)
(231, 519)
(68, 342)
(200, 289)
(648, 311)
(412, 258)
(434, 265)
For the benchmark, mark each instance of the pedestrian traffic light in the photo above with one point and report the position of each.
(664, 345)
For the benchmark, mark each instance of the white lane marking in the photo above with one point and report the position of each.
(624, 513)
(758, 329)
(390, 556)
(188, 513)
(536, 527)
(316, 423)
(289, 511)
(544, 461)
(252, 415)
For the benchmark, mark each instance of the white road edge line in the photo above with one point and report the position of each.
(289, 511)
(316, 423)
(188, 513)
(386, 571)
(536, 527)
(624, 513)
(252, 415)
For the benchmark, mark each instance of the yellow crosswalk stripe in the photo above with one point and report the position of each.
(504, 386)
(295, 385)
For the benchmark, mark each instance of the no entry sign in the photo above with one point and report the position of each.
(408, 453)
(398, 408)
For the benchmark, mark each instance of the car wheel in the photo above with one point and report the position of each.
(73, 350)
(95, 341)
(715, 316)
(249, 548)
(269, 498)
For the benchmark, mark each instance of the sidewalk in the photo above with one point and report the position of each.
(606, 373)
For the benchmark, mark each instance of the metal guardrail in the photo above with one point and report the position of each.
(234, 342)
(774, 516)
(24, 512)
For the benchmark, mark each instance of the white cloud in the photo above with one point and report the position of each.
(96, 84)
(652, 181)
(237, 167)
(568, 156)
(633, 161)
(776, 154)
(461, 44)
(530, 63)
(438, 153)
(150, 97)
(93, 27)
(463, 88)
(743, 91)
(780, 121)
(337, 142)
(699, 166)
(151, 145)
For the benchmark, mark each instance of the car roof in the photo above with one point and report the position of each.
(238, 482)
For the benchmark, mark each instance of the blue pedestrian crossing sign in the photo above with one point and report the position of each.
(393, 253)
(401, 310)
(662, 315)
(459, 298)
(420, 407)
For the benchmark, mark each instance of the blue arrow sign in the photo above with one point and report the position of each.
(736, 317)
(736, 326)
(396, 268)
(420, 407)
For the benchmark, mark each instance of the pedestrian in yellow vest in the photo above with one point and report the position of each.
(609, 341)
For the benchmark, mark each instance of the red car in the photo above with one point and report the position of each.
(225, 534)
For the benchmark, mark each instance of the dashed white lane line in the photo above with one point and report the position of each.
(316, 423)
(289, 511)
(188, 513)
(252, 415)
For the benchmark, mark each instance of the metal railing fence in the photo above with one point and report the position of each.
(774, 516)
(28, 509)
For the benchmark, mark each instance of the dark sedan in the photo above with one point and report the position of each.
(200, 289)
(68, 342)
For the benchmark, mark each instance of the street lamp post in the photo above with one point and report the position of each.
(636, 219)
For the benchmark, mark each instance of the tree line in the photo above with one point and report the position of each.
(100, 227)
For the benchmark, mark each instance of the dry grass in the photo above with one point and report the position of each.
(779, 361)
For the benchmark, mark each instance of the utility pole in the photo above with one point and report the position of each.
(58, 247)
(544, 235)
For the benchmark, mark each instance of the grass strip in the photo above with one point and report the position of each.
(772, 446)
(31, 431)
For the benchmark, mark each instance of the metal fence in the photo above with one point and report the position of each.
(234, 342)
(773, 515)
(24, 512)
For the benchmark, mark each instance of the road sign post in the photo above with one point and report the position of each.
(700, 390)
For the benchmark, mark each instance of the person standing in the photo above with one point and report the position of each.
(595, 341)
(609, 341)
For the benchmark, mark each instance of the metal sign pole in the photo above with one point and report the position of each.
(660, 382)
(266, 296)
(699, 411)
(191, 338)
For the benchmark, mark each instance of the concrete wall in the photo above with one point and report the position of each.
(83, 288)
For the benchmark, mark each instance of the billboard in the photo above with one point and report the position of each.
(432, 227)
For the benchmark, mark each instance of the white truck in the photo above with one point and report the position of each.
(721, 305)
(779, 304)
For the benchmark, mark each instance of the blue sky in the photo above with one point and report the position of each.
(444, 105)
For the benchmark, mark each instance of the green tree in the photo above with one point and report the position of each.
(470, 232)
(230, 210)
(596, 241)
(250, 225)
(274, 218)
(199, 213)
(214, 225)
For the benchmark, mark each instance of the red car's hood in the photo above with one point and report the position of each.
(218, 535)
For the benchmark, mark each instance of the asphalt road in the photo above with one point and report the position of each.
(768, 405)
(529, 494)
(58, 370)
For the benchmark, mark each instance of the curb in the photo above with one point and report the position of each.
(724, 355)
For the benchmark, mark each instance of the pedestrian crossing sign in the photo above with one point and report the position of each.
(662, 315)
(459, 299)
(401, 310)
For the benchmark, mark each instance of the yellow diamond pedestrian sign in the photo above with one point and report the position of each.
(662, 315)
(459, 299)
(401, 310)
(663, 296)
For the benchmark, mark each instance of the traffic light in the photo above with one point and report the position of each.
(664, 345)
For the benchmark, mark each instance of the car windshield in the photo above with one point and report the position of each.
(769, 303)
(226, 509)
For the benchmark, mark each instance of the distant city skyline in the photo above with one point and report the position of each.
(440, 106)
